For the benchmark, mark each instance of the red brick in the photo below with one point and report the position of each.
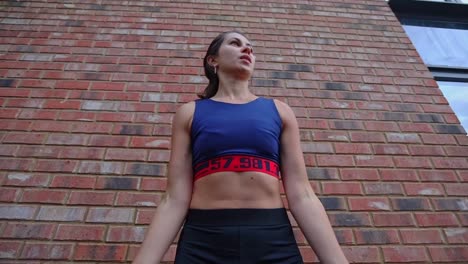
(450, 204)
(8, 150)
(456, 235)
(75, 116)
(9, 194)
(373, 161)
(318, 147)
(330, 136)
(10, 249)
(150, 184)
(463, 175)
(55, 165)
(108, 141)
(126, 234)
(43, 196)
(448, 254)
(383, 188)
(456, 189)
(110, 215)
(147, 142)
(26, 179)
(462, 140)
(24, 103)
(58, 213)
(438, 175)
(100, 167)
(80, 232)
(114, 117)
(144, 216)
(29, 230)
(138, 199)
(25, 138)
(74, 85)
(352, 148)
(416, 127)
(308, 254)
(159, 155)
(359, 174)
(15, 125)
(99, 252)
(369, 204)
(457, 151)
(362, 254)
(390, 149)
(450, 163)
(335, 160)
(347, 188)
(67, 139)
(81, 153)
(344, 236)
(427, 151)
(425, 189)
(126, 154)
(44, 251)
(405, 254)
(108, 86)
(73, 181)
(91, 198)
(95, 128)
(393, 219)
(62, 104)
(436, 219)
(38, 151)
(376, 236)
(13, 211)
(430, 139)
(117, 183)
(349, 219)
(421, 236)
(412, 162)
(16, 164)
(398, 175)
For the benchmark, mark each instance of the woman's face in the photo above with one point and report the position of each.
(235, 56)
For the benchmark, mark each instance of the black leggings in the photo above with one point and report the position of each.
(237, 236)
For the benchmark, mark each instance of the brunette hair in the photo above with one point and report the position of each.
(210, 71)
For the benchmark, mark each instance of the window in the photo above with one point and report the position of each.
(438, 30)
(457, 95)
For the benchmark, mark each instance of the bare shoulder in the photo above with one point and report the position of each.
(286, 113)
(184, 114)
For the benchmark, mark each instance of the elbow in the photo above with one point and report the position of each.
(177, 201)
(304, 199)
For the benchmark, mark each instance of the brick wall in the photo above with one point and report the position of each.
(89, 88)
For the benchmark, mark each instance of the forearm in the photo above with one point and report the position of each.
(313, 221)
(166, 223)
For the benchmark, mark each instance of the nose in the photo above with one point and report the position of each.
(247, 49)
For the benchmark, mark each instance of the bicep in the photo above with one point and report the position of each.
(179, 176)
(293, 170)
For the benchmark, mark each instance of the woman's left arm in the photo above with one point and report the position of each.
(303, 203)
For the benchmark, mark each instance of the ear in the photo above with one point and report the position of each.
(212, 61)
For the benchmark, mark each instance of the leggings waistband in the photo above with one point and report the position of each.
(227, 217)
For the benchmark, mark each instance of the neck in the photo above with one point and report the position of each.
(233, 89)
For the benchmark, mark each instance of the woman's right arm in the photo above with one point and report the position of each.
(171, 212)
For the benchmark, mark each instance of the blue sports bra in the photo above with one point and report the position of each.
(235, 137)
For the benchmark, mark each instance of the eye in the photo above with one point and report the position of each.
(235, 42)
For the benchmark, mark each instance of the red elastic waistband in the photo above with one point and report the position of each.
(237, 163)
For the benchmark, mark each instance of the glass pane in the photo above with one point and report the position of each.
(457, 96)
(440, 46)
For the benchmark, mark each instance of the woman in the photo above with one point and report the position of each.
(224, 171)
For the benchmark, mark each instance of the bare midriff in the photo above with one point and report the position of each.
(228, 189)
